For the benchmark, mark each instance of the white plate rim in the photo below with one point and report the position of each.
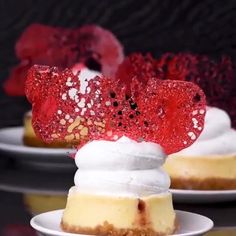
(4, 146)
(55, 232)
(202, 192)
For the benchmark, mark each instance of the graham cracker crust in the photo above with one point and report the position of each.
(109, 230)
(203, 184)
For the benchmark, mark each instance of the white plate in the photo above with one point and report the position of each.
(202, 196)
(12, 145)
(190, 224)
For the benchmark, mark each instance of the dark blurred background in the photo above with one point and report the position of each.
(156, 26)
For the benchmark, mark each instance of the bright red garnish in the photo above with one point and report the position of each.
(173, 113)
(216, 78)
(170, 113)
(91, 45)
(178, 67)
(141, 67)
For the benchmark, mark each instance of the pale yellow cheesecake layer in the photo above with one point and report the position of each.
(202, 172)
(87, 212)
(201, 167)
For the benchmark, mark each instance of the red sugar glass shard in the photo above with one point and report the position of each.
(215, 77)
(47, 45)
(91, 45)
(60, 110)
(178, 66)
(139, 66)
(170, 113)
(173, 113)
(34, 40)
(99, 49)
(120, 110)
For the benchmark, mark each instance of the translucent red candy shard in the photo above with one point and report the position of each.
(93, 46)
(215, 77)
(120, 111)
(172, 113)
(41, 44)
(34, 40)
(61, 108)
(139, 66)
(99, 49)
(178, 66)
(38, 76)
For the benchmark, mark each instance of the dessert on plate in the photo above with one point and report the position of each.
(126, 130)
(120, 189)
(210, 162)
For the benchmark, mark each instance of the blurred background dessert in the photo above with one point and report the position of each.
(208, 164)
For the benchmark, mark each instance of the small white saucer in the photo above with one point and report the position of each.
(190, 224)
(11, 143)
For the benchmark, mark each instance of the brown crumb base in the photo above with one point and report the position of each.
(35, 142)
(203, 184)
(109, 230)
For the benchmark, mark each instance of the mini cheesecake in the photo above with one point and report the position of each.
(120, 189)
(216, 172)
(210, 162)
(118, 215)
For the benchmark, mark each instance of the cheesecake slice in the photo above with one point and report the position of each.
(118, 215)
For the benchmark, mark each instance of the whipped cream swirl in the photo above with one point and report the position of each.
(124, 167)
(216, 138)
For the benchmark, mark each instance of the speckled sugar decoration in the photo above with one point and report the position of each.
(59, 108)
(173, 113)
(170, 113)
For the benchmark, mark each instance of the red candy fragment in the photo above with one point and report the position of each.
(141, 67)
(170, 113)
(91, 45)
(179, 67)
(173, 113)
(99, 49)
(216, 78)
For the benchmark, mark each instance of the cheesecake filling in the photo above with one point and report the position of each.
(121, 168)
